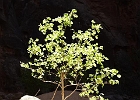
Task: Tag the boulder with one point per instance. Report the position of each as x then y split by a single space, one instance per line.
27 97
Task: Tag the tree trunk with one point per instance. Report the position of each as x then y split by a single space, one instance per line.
62 86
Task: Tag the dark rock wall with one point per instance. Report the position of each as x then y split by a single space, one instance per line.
19 20
11 47
120 37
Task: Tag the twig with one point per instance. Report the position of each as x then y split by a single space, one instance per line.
55 91
74 85
77 85
37 92
71 93
50 82
79 89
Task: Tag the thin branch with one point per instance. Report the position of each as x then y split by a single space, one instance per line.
55 91
77 83
37 92
79 89
80 80
76 77
70 85
75 88
74 85
71 93
50 82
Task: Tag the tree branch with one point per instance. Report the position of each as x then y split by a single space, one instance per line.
50 82
55 91
74 85
37 92
71 93
77 85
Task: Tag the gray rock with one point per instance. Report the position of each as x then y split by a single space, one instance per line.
27 97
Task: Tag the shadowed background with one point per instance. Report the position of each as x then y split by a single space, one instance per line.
19 20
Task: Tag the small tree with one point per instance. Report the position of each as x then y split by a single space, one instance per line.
69 62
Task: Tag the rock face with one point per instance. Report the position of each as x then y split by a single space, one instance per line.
10 96
19 20
120 38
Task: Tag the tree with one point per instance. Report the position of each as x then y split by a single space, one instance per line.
69 62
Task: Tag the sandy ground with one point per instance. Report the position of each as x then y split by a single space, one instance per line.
74 96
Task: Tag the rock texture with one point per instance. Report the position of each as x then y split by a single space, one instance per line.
19 20
120 38
10 96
